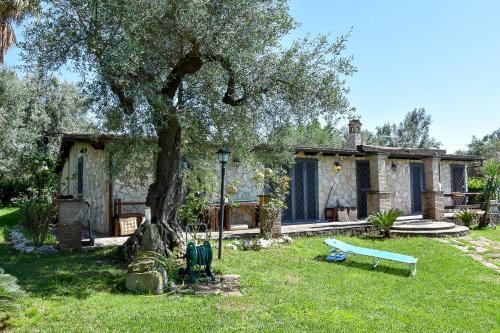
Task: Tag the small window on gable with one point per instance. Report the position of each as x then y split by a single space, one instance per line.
80 176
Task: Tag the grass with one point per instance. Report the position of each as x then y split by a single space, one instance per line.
9 217
289 288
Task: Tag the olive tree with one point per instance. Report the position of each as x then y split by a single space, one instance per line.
193 73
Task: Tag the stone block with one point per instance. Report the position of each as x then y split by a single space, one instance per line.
147 282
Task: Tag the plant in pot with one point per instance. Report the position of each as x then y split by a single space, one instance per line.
275 185
384 220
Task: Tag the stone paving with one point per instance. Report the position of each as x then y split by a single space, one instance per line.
482 249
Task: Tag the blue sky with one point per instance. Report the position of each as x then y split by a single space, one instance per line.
443 55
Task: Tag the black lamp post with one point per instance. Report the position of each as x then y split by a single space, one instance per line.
223 155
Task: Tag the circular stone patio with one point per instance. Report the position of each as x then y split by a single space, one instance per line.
428 228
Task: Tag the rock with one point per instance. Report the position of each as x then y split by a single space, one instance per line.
287 239
237 243
263 243
247 244
147 282
280 240
152 239
46 249
231 247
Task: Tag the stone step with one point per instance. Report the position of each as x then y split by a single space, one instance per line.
422 226
457 231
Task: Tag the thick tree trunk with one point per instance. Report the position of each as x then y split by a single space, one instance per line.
164 195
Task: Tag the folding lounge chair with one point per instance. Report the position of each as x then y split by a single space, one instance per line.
375 254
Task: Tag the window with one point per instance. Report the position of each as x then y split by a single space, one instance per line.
80 176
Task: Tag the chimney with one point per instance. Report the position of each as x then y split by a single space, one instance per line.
354 134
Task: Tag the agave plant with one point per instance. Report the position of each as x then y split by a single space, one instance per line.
468 217
385 219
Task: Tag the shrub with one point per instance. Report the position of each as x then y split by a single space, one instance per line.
385 219
39 215
11 189
469 218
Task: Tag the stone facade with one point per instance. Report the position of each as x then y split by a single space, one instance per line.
242 178
398 183
95 183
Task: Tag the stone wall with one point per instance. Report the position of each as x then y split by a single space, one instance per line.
130 194
95 183
398 183
242 177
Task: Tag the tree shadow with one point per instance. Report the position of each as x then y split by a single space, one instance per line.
75 274
355 262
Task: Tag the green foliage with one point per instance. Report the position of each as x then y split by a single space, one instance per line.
275 185
487 147
469 218
39 213
475 184
34 112
12 189
491 179
219 68
412 132
292 287
195 204
385 219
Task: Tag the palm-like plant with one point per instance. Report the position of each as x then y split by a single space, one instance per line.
385 219
468 217
13 11
491 176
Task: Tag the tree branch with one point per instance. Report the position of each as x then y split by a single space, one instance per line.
229 96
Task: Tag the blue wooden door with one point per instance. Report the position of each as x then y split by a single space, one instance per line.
363 187
302 201
417 186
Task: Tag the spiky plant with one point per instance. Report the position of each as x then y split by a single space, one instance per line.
13 12
468 217
491 178
385 219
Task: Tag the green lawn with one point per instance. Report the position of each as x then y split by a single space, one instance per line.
289 288
8 218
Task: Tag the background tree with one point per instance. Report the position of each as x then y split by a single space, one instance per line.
11 12
34 112
487 147
193 73
412 132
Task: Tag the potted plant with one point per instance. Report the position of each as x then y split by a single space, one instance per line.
274 184
385 219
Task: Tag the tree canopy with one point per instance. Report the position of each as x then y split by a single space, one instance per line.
194 73
34 112
487 147
412 132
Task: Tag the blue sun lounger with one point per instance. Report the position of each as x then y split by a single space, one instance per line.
375 254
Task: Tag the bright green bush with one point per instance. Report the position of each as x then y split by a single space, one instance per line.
468 217
385 219
39 216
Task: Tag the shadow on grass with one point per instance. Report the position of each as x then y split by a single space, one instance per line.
75 274
350 263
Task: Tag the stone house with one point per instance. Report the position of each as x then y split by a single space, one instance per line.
370 178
